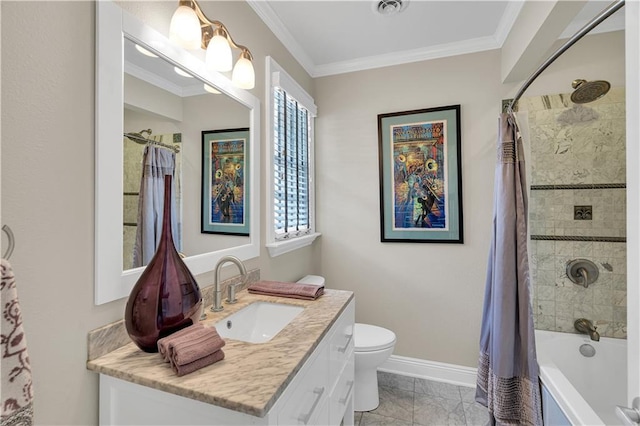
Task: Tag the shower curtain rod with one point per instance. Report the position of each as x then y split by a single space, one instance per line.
610 10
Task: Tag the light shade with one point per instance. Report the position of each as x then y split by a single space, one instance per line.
243 75
218 56
185 28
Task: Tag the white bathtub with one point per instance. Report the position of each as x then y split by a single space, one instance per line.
586 390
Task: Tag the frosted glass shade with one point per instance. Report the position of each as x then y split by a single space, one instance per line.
243 75
218 56
185 28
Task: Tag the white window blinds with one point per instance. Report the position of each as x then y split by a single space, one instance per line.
291 166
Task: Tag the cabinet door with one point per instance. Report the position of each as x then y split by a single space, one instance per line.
307 398
341 343
341 397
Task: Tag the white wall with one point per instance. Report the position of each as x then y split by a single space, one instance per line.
431 295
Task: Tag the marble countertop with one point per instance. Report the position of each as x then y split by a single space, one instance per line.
252 376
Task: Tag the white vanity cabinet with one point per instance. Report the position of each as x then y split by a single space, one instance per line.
321 393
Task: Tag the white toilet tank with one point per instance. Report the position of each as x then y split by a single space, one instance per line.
312 279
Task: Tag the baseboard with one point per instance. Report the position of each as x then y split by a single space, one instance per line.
430 370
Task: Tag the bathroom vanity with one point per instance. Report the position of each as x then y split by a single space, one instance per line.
303 375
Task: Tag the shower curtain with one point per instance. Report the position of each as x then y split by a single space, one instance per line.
507 368
156 163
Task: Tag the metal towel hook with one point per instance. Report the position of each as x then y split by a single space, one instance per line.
11 244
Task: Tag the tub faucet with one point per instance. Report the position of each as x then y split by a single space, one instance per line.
217 294
585 326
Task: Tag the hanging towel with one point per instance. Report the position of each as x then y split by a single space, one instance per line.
507 368
156 163
17 389
283 289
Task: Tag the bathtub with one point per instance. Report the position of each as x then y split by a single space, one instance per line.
578 390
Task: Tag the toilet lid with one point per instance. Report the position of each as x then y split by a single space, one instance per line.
369 338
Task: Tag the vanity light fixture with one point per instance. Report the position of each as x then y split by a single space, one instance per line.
192 30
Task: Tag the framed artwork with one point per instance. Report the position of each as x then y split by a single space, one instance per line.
225 181
420 176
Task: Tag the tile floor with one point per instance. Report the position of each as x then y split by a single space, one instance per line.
406 401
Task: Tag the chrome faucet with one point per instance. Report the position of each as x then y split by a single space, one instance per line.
217 294
585 326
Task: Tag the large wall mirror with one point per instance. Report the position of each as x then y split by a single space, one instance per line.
147 86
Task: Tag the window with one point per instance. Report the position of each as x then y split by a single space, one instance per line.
291 114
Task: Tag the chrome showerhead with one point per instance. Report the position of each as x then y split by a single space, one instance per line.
588 91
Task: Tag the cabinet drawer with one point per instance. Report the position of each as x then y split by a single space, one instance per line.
307 401
341 342
343 391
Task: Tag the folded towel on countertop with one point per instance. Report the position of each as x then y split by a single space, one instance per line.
163 344
212 358
284 289
191 348
194 345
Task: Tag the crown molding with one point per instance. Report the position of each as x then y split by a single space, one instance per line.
154 79
509 17
408 56
269 17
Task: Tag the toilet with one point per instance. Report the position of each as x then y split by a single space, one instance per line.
373 345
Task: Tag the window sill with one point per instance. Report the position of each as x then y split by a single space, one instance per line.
282 247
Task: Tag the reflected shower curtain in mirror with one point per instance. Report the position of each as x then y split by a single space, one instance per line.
156 163
507 368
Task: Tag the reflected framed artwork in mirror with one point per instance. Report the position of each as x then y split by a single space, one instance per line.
225 192
128 99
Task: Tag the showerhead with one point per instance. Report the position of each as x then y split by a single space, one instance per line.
137 138
588 91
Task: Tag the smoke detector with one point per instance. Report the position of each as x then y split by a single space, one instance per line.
390 7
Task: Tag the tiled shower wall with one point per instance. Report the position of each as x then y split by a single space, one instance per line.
577 159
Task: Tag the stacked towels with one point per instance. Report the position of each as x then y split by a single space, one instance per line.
282 289
191 348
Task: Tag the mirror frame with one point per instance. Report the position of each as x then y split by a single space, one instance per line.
113 24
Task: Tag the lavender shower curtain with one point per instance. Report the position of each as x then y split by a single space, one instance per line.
507 368
156 163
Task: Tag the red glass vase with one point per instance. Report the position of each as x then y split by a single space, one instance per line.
166 297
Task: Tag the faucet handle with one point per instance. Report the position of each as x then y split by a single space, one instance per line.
231 291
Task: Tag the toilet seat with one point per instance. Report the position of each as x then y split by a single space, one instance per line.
369 338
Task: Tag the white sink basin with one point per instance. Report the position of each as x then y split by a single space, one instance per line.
258 322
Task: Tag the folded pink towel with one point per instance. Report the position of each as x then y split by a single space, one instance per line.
195 345
282 289
163 344
212 358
